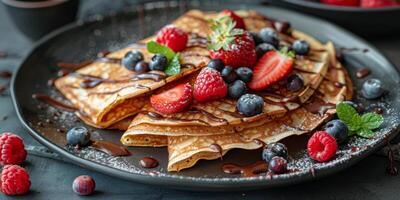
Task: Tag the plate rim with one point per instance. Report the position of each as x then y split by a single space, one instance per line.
320 6
191 183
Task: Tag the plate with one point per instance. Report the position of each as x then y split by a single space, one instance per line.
82 41
363 21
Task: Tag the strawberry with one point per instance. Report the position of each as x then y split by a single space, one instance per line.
239 22
272 67
378 3
173 100
209 85
342 2
172 37
235 47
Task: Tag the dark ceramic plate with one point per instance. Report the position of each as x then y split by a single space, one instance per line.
365 22
83 40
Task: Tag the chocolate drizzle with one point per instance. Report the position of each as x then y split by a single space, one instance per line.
217 148
111 148
362 73
247 170
53 102
260 142
149 76
318 106
148 162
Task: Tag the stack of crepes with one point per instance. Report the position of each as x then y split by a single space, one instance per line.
207 130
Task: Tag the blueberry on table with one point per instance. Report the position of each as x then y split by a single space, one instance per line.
277 165
372 89
216 64
250 105
142 67
228 74
263 48
78 136
83 185
158 62
244 73
274 149
294 83
269 35
237 89
301 47
337 129
131 58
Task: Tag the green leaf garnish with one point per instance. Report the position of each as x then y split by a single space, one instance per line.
154 47
174 67
360 125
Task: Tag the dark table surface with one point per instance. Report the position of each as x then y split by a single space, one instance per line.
52 179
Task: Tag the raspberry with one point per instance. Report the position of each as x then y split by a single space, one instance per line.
12 149
209 85
321 146
172 37
14 180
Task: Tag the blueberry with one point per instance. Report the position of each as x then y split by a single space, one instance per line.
142 67
237 89
158 62
250 105
372 89
83 185
216 64
269 35
78 136
301 47
229 74
294 83
131 59
277 165
274 149
257 39
337 129
263 48
244 73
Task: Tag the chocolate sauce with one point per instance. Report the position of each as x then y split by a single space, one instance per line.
318 106
138 86
102 54
247 170
362 73
148 162
217 148
378 110
53 102
111 148
338 84
260 142
197 41
5 74
282 26
154 115
208 115
149 76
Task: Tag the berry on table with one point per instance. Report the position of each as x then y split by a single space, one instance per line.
131 58
274 149
277 165
337 129
216 64
244 73
270 36
250 105
142 67
263 48
237 89
173 100
14 180
228 74
301 47
237 19
84 185
294 83
158 62
12 149
172 37
209 85
256 38
321 146
78 136
372 89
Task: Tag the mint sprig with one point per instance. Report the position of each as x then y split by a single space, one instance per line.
174 67
362 125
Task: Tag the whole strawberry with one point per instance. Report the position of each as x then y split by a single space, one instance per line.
239 22
235 47
172 37
342 2
12 149
14 180
209 86
379 3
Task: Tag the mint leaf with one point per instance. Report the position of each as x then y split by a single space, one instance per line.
154 47
349 116
371 120
174 67
366 133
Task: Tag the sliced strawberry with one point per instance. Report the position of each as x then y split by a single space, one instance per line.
237 19
173 100
272 67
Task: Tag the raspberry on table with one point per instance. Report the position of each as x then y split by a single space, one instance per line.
14 180
321 146
12 149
